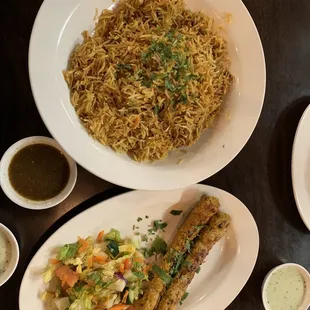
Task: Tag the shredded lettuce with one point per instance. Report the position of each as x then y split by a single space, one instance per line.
48 275
47 297
113 235
62 303
118 286
88 301
73 261
68 251
129 248
76 305
94 273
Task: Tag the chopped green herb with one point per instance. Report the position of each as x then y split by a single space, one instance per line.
137 227
151 231
184 297
156 109
68 251
137 233
176 212
159 246
178 259
170 35
187 263
147 84
139 219
145 238
169 85
137 266
78 286
133 227
198 270
183 98
140 275
146 216
188 245
198 227
162 274
191 77
124 66
159 226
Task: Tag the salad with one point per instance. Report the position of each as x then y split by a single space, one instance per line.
103 273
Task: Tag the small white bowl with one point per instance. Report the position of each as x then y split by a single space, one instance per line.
22 201
305 274
14 254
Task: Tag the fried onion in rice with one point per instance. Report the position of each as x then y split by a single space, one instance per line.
150 79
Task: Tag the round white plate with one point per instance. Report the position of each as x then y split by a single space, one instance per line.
225 272
301 167
57 30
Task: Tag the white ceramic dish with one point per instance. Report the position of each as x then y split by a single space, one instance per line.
305 274
56 32
221 278
4 277
24 202
301 167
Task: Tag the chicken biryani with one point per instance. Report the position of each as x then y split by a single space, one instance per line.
150 79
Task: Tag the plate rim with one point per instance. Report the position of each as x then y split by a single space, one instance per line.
305 115
224 302
113 178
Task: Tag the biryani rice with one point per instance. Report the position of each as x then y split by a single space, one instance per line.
150 79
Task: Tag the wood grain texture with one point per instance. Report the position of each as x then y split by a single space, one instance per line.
259 175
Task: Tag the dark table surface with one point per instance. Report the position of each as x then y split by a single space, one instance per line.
259 176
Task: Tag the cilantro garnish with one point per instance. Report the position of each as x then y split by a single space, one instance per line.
159 225
184 297
176 212
162 274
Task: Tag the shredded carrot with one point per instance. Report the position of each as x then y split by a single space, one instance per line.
100 236
84 245
54 261
122 268
63 281
66 275
99 259
90 262
127 264
125 297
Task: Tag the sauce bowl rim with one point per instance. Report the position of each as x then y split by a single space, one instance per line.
11 193
305 274
15 254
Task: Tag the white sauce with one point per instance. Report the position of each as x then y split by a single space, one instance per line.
286 289
5 253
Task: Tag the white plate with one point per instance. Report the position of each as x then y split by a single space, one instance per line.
57 30
301 167
225 272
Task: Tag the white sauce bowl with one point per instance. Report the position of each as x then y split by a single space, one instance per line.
303 272
14 254
16 197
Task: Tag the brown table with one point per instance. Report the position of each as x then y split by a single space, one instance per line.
259 176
